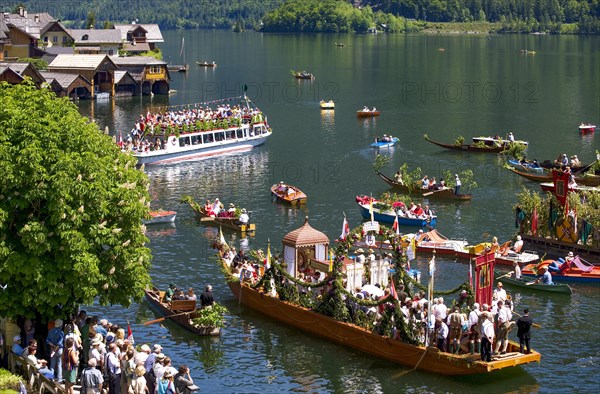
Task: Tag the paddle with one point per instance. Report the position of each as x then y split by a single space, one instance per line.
505 275
207 218
427 194
533 324
166 317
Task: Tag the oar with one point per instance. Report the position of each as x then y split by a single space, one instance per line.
505 275
166 317
533 324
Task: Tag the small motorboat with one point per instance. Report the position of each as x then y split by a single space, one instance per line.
327 104
385 142
367 113
587 128
157 217
287 194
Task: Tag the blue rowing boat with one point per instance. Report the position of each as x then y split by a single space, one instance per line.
390 216
528 166
379 144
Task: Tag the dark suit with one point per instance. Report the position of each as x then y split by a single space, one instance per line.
524 332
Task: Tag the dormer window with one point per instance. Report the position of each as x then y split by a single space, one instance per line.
85 37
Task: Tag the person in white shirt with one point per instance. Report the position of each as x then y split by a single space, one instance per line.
499 292
442 309
244 218
360 257
442 334
487 336
504 318
517 270
518 245
474 329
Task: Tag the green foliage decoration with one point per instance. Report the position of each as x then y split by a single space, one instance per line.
213 316
380 162
71 210
459 140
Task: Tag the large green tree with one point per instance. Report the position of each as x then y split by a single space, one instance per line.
71 210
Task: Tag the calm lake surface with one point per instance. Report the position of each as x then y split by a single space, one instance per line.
479 85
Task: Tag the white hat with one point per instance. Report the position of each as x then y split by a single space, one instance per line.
570 254
145 348
518 237
360 250
157 347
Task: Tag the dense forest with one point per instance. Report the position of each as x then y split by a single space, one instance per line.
557 16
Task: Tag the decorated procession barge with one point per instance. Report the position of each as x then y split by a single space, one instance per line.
333 314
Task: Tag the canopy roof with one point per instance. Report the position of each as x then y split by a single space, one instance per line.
305 236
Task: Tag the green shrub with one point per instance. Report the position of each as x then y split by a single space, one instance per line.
9 383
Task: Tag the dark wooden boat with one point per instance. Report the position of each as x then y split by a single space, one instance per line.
227 222
527 283
468 147
207 64
178 307
549 187
280 192
349 335
587 180
441 194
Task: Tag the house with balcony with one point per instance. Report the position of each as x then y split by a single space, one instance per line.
151 75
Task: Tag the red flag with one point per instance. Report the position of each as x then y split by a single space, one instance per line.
534 221
395 226
130 334
561 182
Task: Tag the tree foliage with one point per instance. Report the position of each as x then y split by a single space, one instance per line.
560 16
71 210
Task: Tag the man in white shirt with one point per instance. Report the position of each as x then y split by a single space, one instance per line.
499 292
504 318
487 336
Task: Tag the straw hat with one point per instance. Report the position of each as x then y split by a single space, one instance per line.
371 251
360 250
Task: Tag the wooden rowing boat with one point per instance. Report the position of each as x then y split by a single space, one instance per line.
367 113
587 180
349 335
157 217
549 187
527 283
154 297
206 64
441 194
288 194
573 274
469 147
227 222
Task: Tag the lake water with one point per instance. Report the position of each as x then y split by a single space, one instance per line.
478 85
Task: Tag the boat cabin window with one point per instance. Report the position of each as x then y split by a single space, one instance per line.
220 136
207 138
196 140
183 141
240 133
230 134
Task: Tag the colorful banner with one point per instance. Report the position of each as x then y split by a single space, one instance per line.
484 278
561 183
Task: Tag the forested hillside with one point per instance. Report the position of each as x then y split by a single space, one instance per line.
565 16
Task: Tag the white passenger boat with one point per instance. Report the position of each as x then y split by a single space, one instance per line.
206 138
